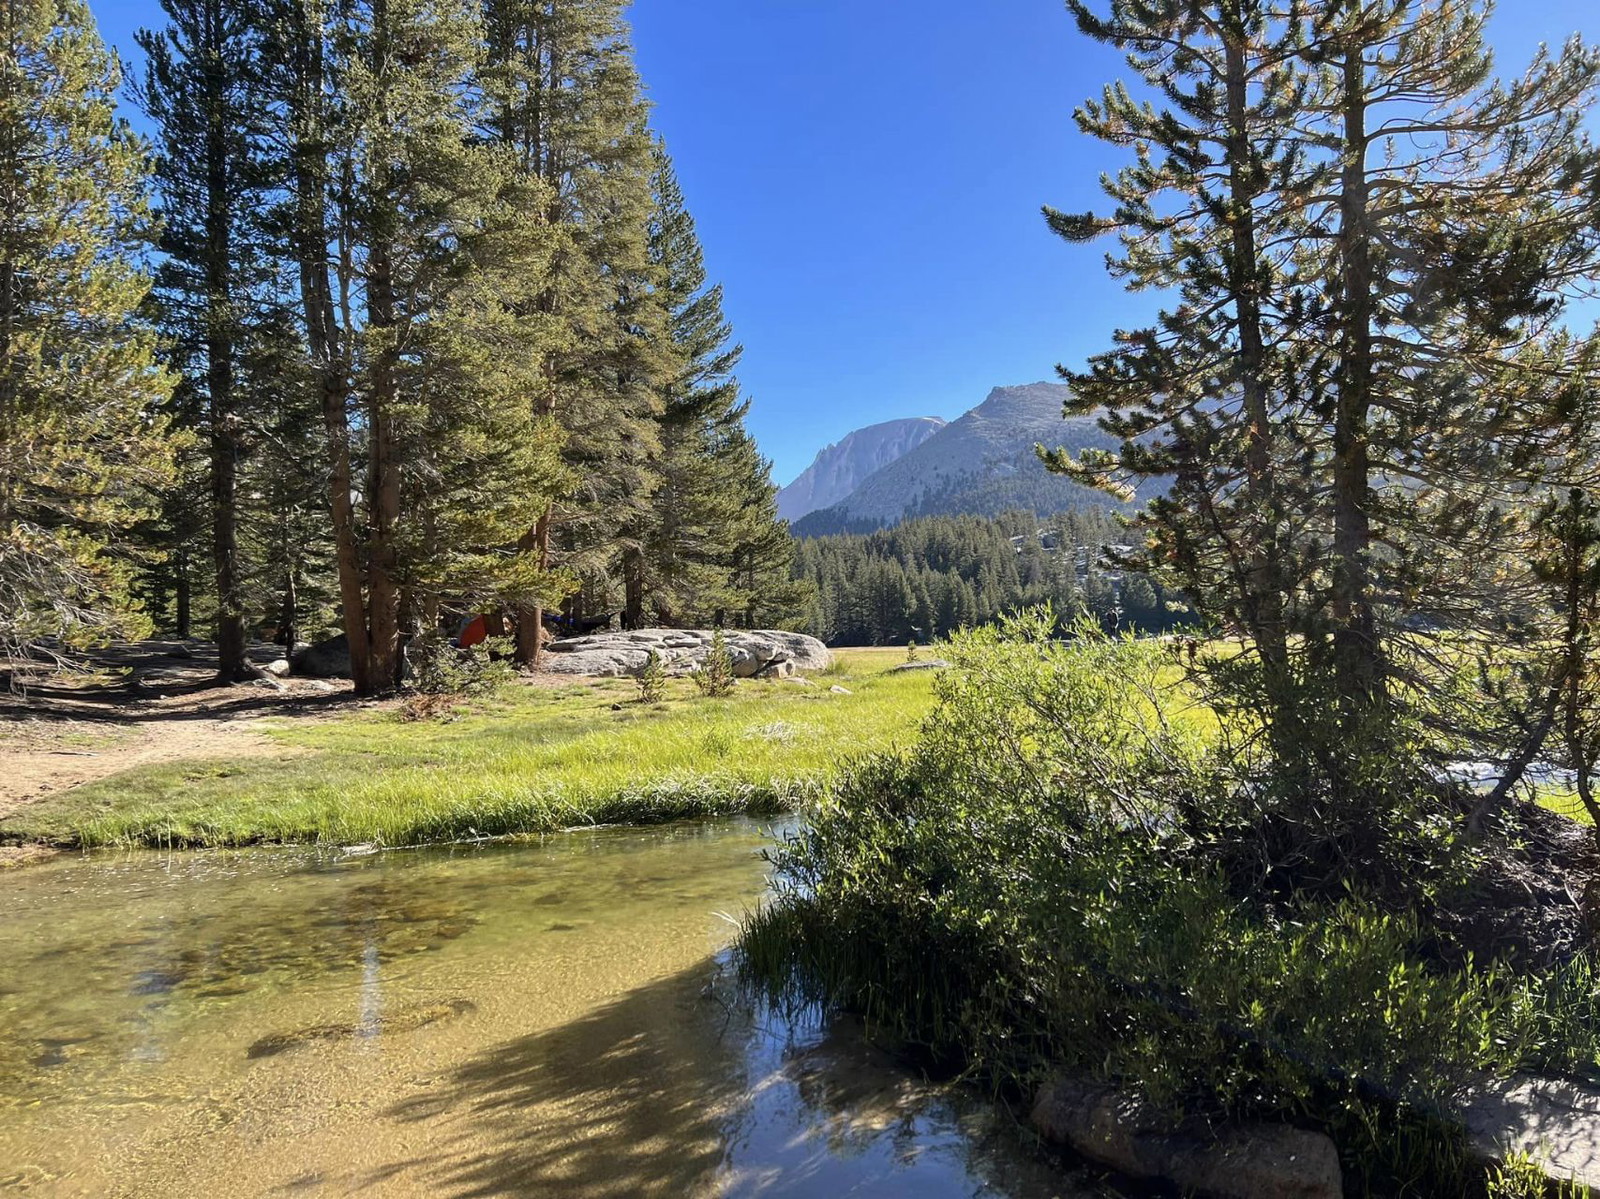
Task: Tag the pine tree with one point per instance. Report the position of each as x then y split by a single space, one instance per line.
1204 397
286 549
564 100
83 448
204 92
718 550
1459 223
759 549
1366 245
409 235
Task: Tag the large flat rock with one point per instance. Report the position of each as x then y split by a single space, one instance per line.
754 652
1556 1123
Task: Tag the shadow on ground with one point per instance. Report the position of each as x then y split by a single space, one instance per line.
671 1090
632 1099
159 682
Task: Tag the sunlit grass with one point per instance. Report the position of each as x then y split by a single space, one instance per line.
523 760
1565 801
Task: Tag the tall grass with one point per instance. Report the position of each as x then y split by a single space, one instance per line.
521 760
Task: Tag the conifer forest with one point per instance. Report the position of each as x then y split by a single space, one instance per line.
399 316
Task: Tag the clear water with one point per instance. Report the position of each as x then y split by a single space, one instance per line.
553 1019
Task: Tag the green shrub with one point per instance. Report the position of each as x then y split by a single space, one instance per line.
653 680
436 667
715 676
1026 890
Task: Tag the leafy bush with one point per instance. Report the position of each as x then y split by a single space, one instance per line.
436 667
1030 888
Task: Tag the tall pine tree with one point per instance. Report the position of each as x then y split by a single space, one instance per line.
1353 410
204 91
401 216
83 449
564 100
717 551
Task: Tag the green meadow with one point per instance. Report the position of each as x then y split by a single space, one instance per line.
521 760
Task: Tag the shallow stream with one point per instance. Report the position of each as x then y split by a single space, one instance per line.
552 1019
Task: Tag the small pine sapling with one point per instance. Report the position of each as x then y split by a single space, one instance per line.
653 680
715 675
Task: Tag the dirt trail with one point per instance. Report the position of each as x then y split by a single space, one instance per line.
41 757
149 702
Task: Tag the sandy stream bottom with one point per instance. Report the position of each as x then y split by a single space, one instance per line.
552 1019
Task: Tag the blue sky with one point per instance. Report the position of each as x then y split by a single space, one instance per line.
867 177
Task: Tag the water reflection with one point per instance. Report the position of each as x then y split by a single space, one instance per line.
550 1019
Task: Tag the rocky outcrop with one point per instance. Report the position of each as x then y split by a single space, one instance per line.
1554 1122
756 653
838 469
981 464
1260 1161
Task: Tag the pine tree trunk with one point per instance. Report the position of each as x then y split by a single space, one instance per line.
383 590
383 400
1356 674
1264 604
225 550
324 342
539 158
530 621
289 612
231 665
181 591
633 589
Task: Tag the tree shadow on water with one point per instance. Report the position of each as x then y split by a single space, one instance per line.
630 1099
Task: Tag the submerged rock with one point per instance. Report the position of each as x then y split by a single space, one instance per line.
764 653
407 1019
1257 1161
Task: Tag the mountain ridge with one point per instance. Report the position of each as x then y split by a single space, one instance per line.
839 468
979 464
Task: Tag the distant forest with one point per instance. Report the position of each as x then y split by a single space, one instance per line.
929 576
1017 484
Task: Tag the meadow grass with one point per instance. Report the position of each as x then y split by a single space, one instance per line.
522 760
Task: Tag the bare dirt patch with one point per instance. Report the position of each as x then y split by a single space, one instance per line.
145 703
152 702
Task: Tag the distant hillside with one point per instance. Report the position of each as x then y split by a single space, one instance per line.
980 465
840 469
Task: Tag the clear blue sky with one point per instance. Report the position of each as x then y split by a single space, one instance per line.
867 177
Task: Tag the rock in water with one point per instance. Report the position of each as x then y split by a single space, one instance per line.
1257 1161
407 1019
767 653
